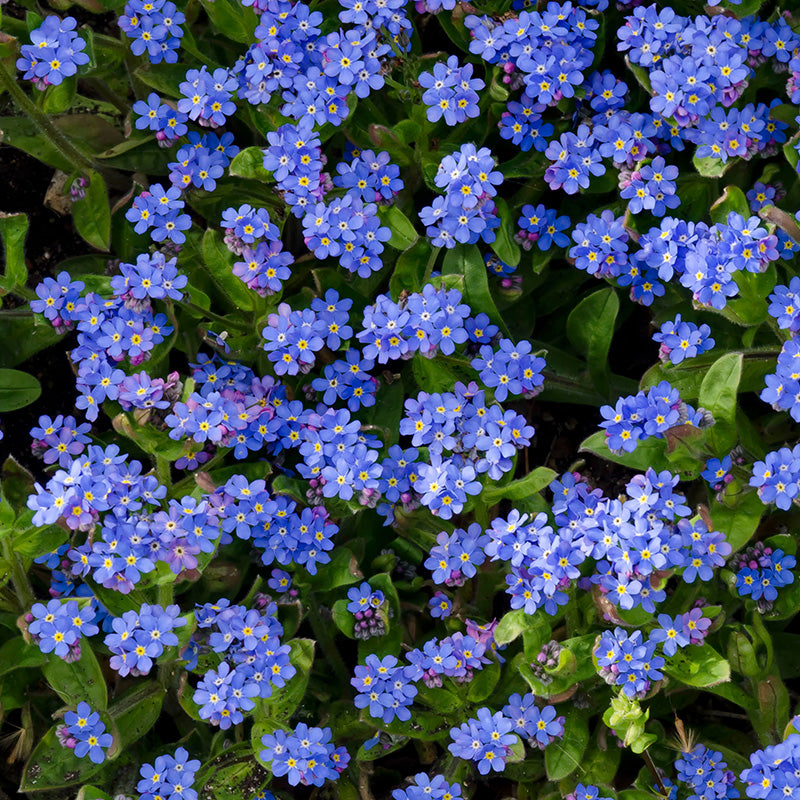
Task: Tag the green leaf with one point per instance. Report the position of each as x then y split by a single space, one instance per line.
699 666
279 707
409 269
718 393
687 377
440 374
590 328
51 766
404 234
466 260
16 653
641 75
711 167
341 570
740 522
58 99
232 19
504 245
233 774
648 453
516 623
483 682
136 712
34 541
520 489
23 337
78 680
219 264
13 228
732 199
344 619
92 793
391 641
249 163
92 214
18 484
17 389
150 439
562 758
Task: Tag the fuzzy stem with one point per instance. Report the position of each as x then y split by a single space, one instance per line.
324 639
80 160
434 256
19 577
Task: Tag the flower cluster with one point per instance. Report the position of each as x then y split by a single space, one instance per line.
457 656
543 227
349 229
292 338
773 770
304 755
58 627
385 687
111 330
651 187
55 52
777 477
486 740
706 774
601 245
348 379
680 340
154 27
59 440
425 787
170 777
466 213
648 414
85 734
511 368
451 92
760 572
138 639
547 659
546 53
160 211
480 439
681 631
127 545
370 175
431 321
629 661
782 387
254 662
538 726
634 542
370 609
456 556
167 123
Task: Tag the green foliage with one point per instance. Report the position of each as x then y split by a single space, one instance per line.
17 389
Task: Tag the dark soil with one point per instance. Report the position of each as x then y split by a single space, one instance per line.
51 239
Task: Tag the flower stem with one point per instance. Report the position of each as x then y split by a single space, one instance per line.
19 576
430 265
71 152
324 639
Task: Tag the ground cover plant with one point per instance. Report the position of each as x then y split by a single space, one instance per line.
294 523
